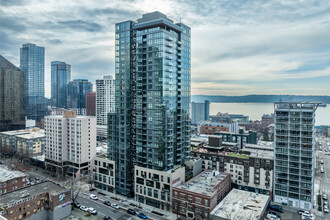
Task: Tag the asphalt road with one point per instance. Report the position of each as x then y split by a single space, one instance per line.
102 209
109 211
324 177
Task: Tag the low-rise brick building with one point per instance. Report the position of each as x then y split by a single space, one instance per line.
11 180
46 200
196 198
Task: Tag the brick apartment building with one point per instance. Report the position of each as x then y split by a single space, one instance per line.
11 180
45 200
196 198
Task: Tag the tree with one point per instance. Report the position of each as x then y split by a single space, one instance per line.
265 136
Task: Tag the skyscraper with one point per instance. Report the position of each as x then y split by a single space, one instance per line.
32 63
105 103
77 90
200 111
61 76
294 154
151 126
90 103
12 96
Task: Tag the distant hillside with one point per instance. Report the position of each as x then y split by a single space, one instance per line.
262 98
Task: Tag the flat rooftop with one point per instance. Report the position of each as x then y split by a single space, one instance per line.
204 183
239 204
7 174
26 133
264 152
29 191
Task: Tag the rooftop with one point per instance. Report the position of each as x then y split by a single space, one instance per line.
204 183
47 186
259 151
26 133
239 204
6 174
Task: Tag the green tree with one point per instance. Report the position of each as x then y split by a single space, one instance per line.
265 136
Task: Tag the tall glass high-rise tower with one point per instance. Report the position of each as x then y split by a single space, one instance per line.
151 126
77 90
32 63
294 154
61 76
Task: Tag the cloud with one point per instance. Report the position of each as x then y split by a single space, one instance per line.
241 46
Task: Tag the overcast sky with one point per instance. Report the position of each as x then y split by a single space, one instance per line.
238 47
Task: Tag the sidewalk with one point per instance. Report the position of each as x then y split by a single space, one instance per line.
127 201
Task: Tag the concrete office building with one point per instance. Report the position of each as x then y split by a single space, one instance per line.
70 143
151 126
46 200
60 77
12 101
32 63
294 153
196 198
200 111
105 103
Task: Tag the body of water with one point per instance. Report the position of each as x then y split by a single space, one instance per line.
256 110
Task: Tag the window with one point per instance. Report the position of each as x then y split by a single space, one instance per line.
198 200
206 202
149 192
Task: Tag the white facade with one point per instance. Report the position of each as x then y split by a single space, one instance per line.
104 173
105 99
70 142
154 187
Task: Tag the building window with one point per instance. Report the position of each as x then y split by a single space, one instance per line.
198 200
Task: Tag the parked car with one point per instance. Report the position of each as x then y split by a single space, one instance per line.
92 211
131 211
321 161
84 208
325 197
300 211
325 203
113 205
142 215
274 213
326 210
76 204
107 218
271 216
276 208
106 202
94 197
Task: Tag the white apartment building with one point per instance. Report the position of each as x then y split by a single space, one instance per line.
105 103
70 143
154 187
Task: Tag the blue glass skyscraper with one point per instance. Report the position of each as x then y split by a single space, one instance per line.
61 76
32 63
151 126
77 90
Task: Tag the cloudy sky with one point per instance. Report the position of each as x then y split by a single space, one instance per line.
238 47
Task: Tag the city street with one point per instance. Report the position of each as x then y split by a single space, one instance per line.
324 178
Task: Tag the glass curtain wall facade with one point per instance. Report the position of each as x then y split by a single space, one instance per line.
12 96
294 154
61 76
77 90
152 97
32 63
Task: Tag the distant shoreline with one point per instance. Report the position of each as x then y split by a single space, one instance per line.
261 98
